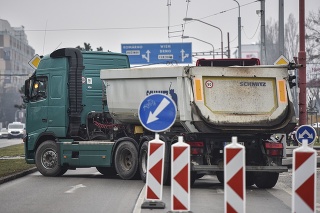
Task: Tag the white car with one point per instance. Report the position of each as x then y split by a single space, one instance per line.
4 133
16 130
316 125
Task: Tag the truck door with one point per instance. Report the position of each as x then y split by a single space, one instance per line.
37 117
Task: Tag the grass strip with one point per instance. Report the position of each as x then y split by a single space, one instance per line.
12 151
12 166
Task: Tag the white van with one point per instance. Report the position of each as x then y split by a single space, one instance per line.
16 130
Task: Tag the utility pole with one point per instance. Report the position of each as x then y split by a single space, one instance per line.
263 32
239 31
281 27
302 70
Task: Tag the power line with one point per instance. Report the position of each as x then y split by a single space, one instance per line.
229 9
133 28
254 32
97 29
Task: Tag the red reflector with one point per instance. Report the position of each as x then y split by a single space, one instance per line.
196 144
274 152
273 145
196 151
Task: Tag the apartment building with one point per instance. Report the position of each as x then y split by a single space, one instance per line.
15 53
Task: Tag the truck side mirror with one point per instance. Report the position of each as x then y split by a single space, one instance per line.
26 91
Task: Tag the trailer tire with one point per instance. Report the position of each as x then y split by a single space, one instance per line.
249 178
126 160
47 159
220 177
143 158
266 180
107 171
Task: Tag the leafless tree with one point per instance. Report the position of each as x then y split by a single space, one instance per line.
313 37
271 41
291 41
313 56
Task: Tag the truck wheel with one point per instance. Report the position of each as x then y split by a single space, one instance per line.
107 171
266 180
220 176
143 159
193 177
249 178
126 160
47 157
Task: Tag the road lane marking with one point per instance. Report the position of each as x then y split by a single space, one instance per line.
74 188
137 207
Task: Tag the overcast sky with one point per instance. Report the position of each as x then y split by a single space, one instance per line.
69 23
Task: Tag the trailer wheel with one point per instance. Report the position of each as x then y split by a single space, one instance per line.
249 178
266 180
220 177
143 159
126 160
47 158
107 171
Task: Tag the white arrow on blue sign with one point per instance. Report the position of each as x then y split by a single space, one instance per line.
157 112
306 132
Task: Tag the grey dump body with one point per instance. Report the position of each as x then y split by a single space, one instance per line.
209 99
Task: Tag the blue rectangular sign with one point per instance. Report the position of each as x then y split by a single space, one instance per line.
158 53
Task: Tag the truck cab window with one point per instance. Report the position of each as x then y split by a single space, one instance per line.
39 89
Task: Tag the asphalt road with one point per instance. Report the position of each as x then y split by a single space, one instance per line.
86 190
83 190
8 142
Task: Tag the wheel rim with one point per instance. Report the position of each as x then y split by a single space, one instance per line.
49 159
144 161
126 159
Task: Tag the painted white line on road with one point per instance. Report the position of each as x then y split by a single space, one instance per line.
74 188
137 207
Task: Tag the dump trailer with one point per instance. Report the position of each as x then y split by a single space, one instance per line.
213 104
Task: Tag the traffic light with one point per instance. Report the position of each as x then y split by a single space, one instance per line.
292 81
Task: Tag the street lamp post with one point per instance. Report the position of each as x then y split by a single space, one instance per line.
239 31
192 19
184 37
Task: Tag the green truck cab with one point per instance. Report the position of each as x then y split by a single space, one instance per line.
67 123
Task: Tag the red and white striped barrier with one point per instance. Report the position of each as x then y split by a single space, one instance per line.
180 173
154 179
234 176
304 179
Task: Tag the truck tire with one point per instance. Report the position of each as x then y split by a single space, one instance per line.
249 178
47 159
220 177
107 171
143 158
266 180
126 160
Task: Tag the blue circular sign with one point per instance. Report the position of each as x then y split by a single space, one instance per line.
306 132
157 112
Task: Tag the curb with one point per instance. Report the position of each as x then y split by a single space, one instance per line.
17 175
